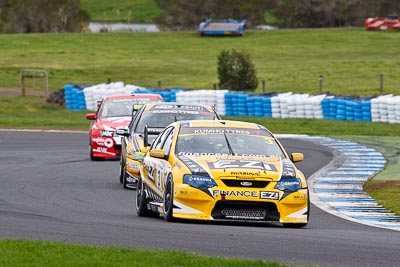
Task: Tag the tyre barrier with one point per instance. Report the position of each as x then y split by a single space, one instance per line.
385 108
57 97
83 97
215 98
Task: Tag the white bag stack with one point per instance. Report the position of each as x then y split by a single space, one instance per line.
214 98
95 93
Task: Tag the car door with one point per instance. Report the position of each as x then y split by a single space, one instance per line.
127 145
157 169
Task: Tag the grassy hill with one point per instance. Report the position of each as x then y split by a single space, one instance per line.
350 60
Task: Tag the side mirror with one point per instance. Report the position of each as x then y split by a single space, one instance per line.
157 153
296 157
123 131
146 137
91 116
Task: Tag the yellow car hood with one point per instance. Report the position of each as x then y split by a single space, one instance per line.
239 167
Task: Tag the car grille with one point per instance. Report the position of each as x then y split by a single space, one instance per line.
245 183
252 214
245 211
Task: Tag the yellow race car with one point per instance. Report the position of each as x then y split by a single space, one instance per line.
152 118
222 171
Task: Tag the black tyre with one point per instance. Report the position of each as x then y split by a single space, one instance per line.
294 225
124 181
121 171
169 200
141 201
93 158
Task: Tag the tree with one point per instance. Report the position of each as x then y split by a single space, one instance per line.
331 13
236 71
26 16
187 14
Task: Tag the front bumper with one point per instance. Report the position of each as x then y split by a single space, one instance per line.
106 147
240 204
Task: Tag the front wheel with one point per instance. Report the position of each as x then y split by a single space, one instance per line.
294 225
93 158
141 201
121 170
169 200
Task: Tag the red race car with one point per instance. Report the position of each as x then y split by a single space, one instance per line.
391 22
113 111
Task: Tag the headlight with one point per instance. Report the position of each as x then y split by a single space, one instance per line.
288 184
198 181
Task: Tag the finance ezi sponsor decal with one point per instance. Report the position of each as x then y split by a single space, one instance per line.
245 193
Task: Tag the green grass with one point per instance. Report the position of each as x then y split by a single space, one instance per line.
139 11
350 60
34 113
37 253
386 193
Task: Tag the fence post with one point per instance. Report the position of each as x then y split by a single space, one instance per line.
321 79
23 84
158 84
381 82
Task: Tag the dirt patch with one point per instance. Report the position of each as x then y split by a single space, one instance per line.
377 185
18 92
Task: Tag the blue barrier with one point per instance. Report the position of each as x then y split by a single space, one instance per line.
74 97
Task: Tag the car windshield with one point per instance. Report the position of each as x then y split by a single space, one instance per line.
226 143
162 120
123 107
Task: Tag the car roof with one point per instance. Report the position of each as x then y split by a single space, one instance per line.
220 124
134 96
178 106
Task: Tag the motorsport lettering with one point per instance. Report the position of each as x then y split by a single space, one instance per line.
214 131
232 193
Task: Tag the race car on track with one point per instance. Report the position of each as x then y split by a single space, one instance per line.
113 111
222 171
153 118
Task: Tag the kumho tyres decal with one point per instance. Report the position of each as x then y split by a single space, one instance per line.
338 188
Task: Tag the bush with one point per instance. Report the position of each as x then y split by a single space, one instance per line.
236 71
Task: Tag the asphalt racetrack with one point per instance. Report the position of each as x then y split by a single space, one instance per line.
50 190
